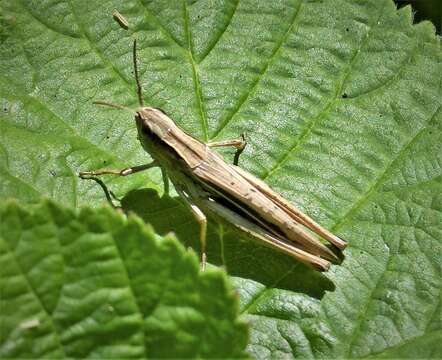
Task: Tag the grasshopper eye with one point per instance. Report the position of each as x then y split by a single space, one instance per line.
145 130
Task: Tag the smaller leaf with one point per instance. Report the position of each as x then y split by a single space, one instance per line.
92 283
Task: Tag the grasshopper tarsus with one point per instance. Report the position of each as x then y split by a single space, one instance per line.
108 193
203 262
115 197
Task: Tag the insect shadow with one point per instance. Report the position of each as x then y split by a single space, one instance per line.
241 258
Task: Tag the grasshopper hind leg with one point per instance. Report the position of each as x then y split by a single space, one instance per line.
202 221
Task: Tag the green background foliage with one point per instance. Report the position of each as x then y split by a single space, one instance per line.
98 286
341 102
425 10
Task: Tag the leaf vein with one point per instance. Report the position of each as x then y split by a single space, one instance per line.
131 289
221 33
358 204
331 101
160 26
34 291
264 291
107 64
195 76
260 76
46 24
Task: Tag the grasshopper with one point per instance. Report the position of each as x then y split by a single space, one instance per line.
210 185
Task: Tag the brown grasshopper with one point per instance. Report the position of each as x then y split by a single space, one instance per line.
208 184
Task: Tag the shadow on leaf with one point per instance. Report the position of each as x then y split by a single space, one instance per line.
242 258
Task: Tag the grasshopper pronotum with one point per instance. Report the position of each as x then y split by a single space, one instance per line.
208 184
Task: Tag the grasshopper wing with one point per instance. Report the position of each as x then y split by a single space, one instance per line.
292 210
245 193
257 232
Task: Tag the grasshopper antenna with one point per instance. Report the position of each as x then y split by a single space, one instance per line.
112 105
137 79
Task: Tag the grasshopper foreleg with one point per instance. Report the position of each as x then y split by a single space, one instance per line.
202 221
239 144
123 172
128 171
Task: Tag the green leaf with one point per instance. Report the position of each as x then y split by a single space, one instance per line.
341 102
95 284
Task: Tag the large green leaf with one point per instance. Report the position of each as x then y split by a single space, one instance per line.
93 284
341 102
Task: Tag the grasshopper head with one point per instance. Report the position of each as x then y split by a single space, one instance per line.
151 121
